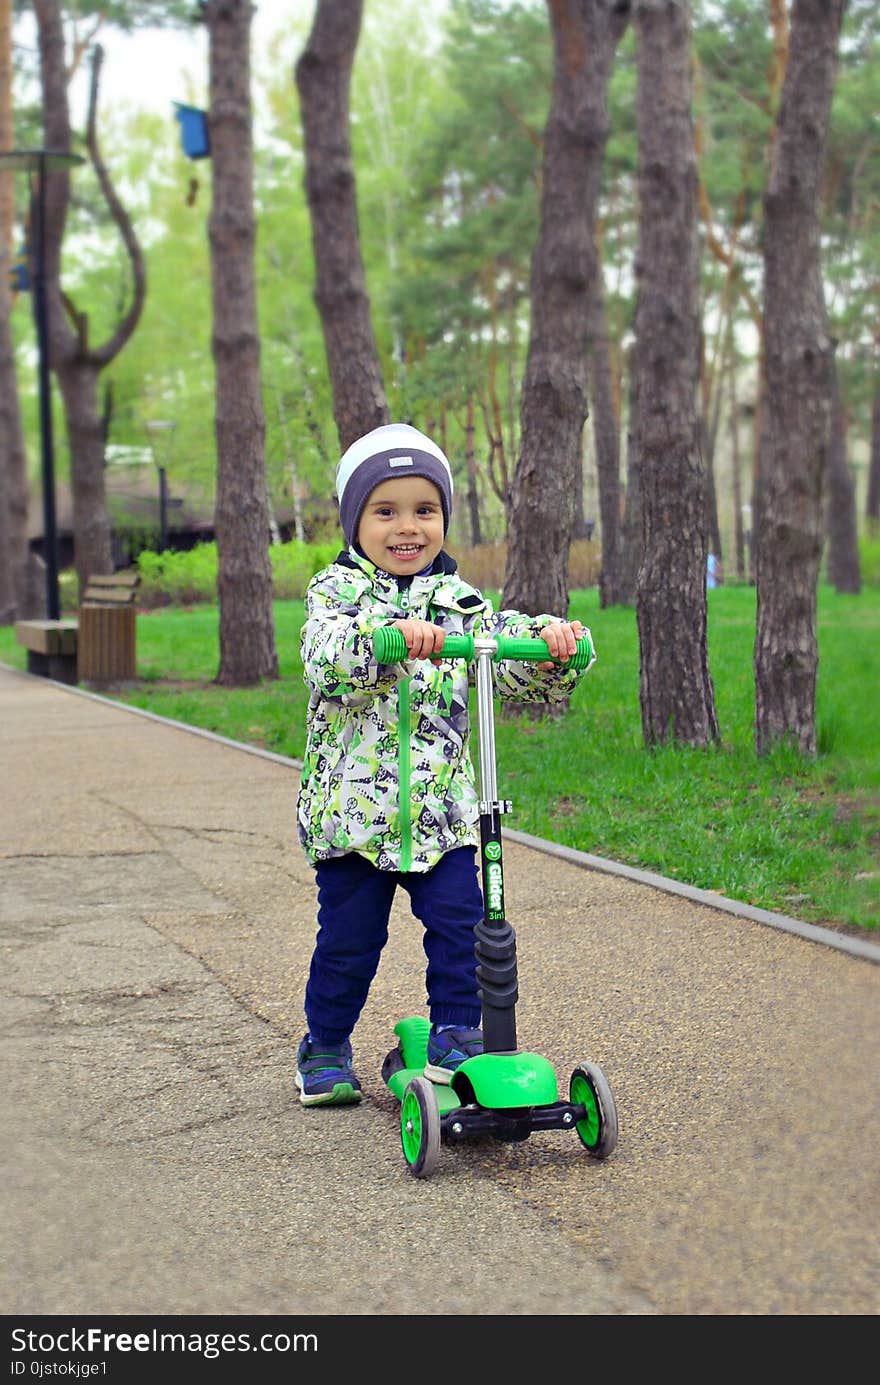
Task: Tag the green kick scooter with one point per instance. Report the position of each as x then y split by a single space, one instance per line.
503 1092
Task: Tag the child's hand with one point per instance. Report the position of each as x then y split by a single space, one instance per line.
423 640
561 639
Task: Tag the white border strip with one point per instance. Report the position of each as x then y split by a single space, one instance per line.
841 942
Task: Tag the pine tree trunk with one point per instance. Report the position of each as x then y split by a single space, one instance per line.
797 406
323 78
631 530
736 470
606 433
872 503
844 572
579 522
13 488
76 363
7 591
676 694
13 467
554 394
69 354
710 418
470 458
709 438
78 383
241 520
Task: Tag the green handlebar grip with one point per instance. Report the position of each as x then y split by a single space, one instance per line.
389 647
528 649
458 647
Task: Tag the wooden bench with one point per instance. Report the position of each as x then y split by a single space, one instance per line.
51 647
106 650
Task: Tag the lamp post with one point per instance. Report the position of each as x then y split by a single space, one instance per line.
161 425
39 161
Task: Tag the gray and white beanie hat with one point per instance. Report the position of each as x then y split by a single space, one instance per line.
395 449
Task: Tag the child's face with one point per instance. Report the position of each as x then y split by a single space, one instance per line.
401 525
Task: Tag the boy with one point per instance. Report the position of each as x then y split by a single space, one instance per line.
388 794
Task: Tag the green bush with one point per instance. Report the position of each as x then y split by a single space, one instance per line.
869 559
178 579
187 578
294 564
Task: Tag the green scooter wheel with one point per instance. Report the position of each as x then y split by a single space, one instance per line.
420 1127
597 1131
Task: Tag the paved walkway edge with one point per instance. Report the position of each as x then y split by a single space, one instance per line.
841 942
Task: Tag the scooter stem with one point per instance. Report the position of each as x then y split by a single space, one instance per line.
494 938
486 726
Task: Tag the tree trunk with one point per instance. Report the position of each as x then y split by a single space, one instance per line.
323 78
7 591
631 532
736 469
606 434
68 349
579 528
872 503
470 458
554 395
76 363
844 572
78 383
13 472
797 402
676 694
241 517
15 588
709 419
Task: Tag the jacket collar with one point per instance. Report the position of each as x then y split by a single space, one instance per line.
444 587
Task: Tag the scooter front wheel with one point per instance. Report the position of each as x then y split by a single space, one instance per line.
597 1130
420 1127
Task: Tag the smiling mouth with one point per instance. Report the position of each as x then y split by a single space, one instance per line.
406 550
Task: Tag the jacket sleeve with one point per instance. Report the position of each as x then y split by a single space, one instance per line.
519 681
337 650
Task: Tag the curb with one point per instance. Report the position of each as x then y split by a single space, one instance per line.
810 932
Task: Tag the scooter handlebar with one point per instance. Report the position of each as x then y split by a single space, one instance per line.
389 647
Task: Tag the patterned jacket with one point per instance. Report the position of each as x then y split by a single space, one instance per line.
387 771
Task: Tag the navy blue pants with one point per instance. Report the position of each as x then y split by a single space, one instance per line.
354 905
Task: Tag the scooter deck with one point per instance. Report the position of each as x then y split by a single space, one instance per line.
408 1060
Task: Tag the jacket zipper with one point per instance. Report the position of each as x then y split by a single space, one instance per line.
404 764
404 776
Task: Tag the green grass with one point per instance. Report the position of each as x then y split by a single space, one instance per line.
797 836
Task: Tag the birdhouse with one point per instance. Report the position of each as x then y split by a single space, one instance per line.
19 277
193 131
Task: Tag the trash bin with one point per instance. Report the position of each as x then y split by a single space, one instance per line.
106 646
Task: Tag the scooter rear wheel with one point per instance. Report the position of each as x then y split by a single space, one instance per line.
597 1131
420 1127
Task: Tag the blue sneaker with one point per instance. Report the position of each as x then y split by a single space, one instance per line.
447 1050
324 1074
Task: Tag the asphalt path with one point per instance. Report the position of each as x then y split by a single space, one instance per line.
157 918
